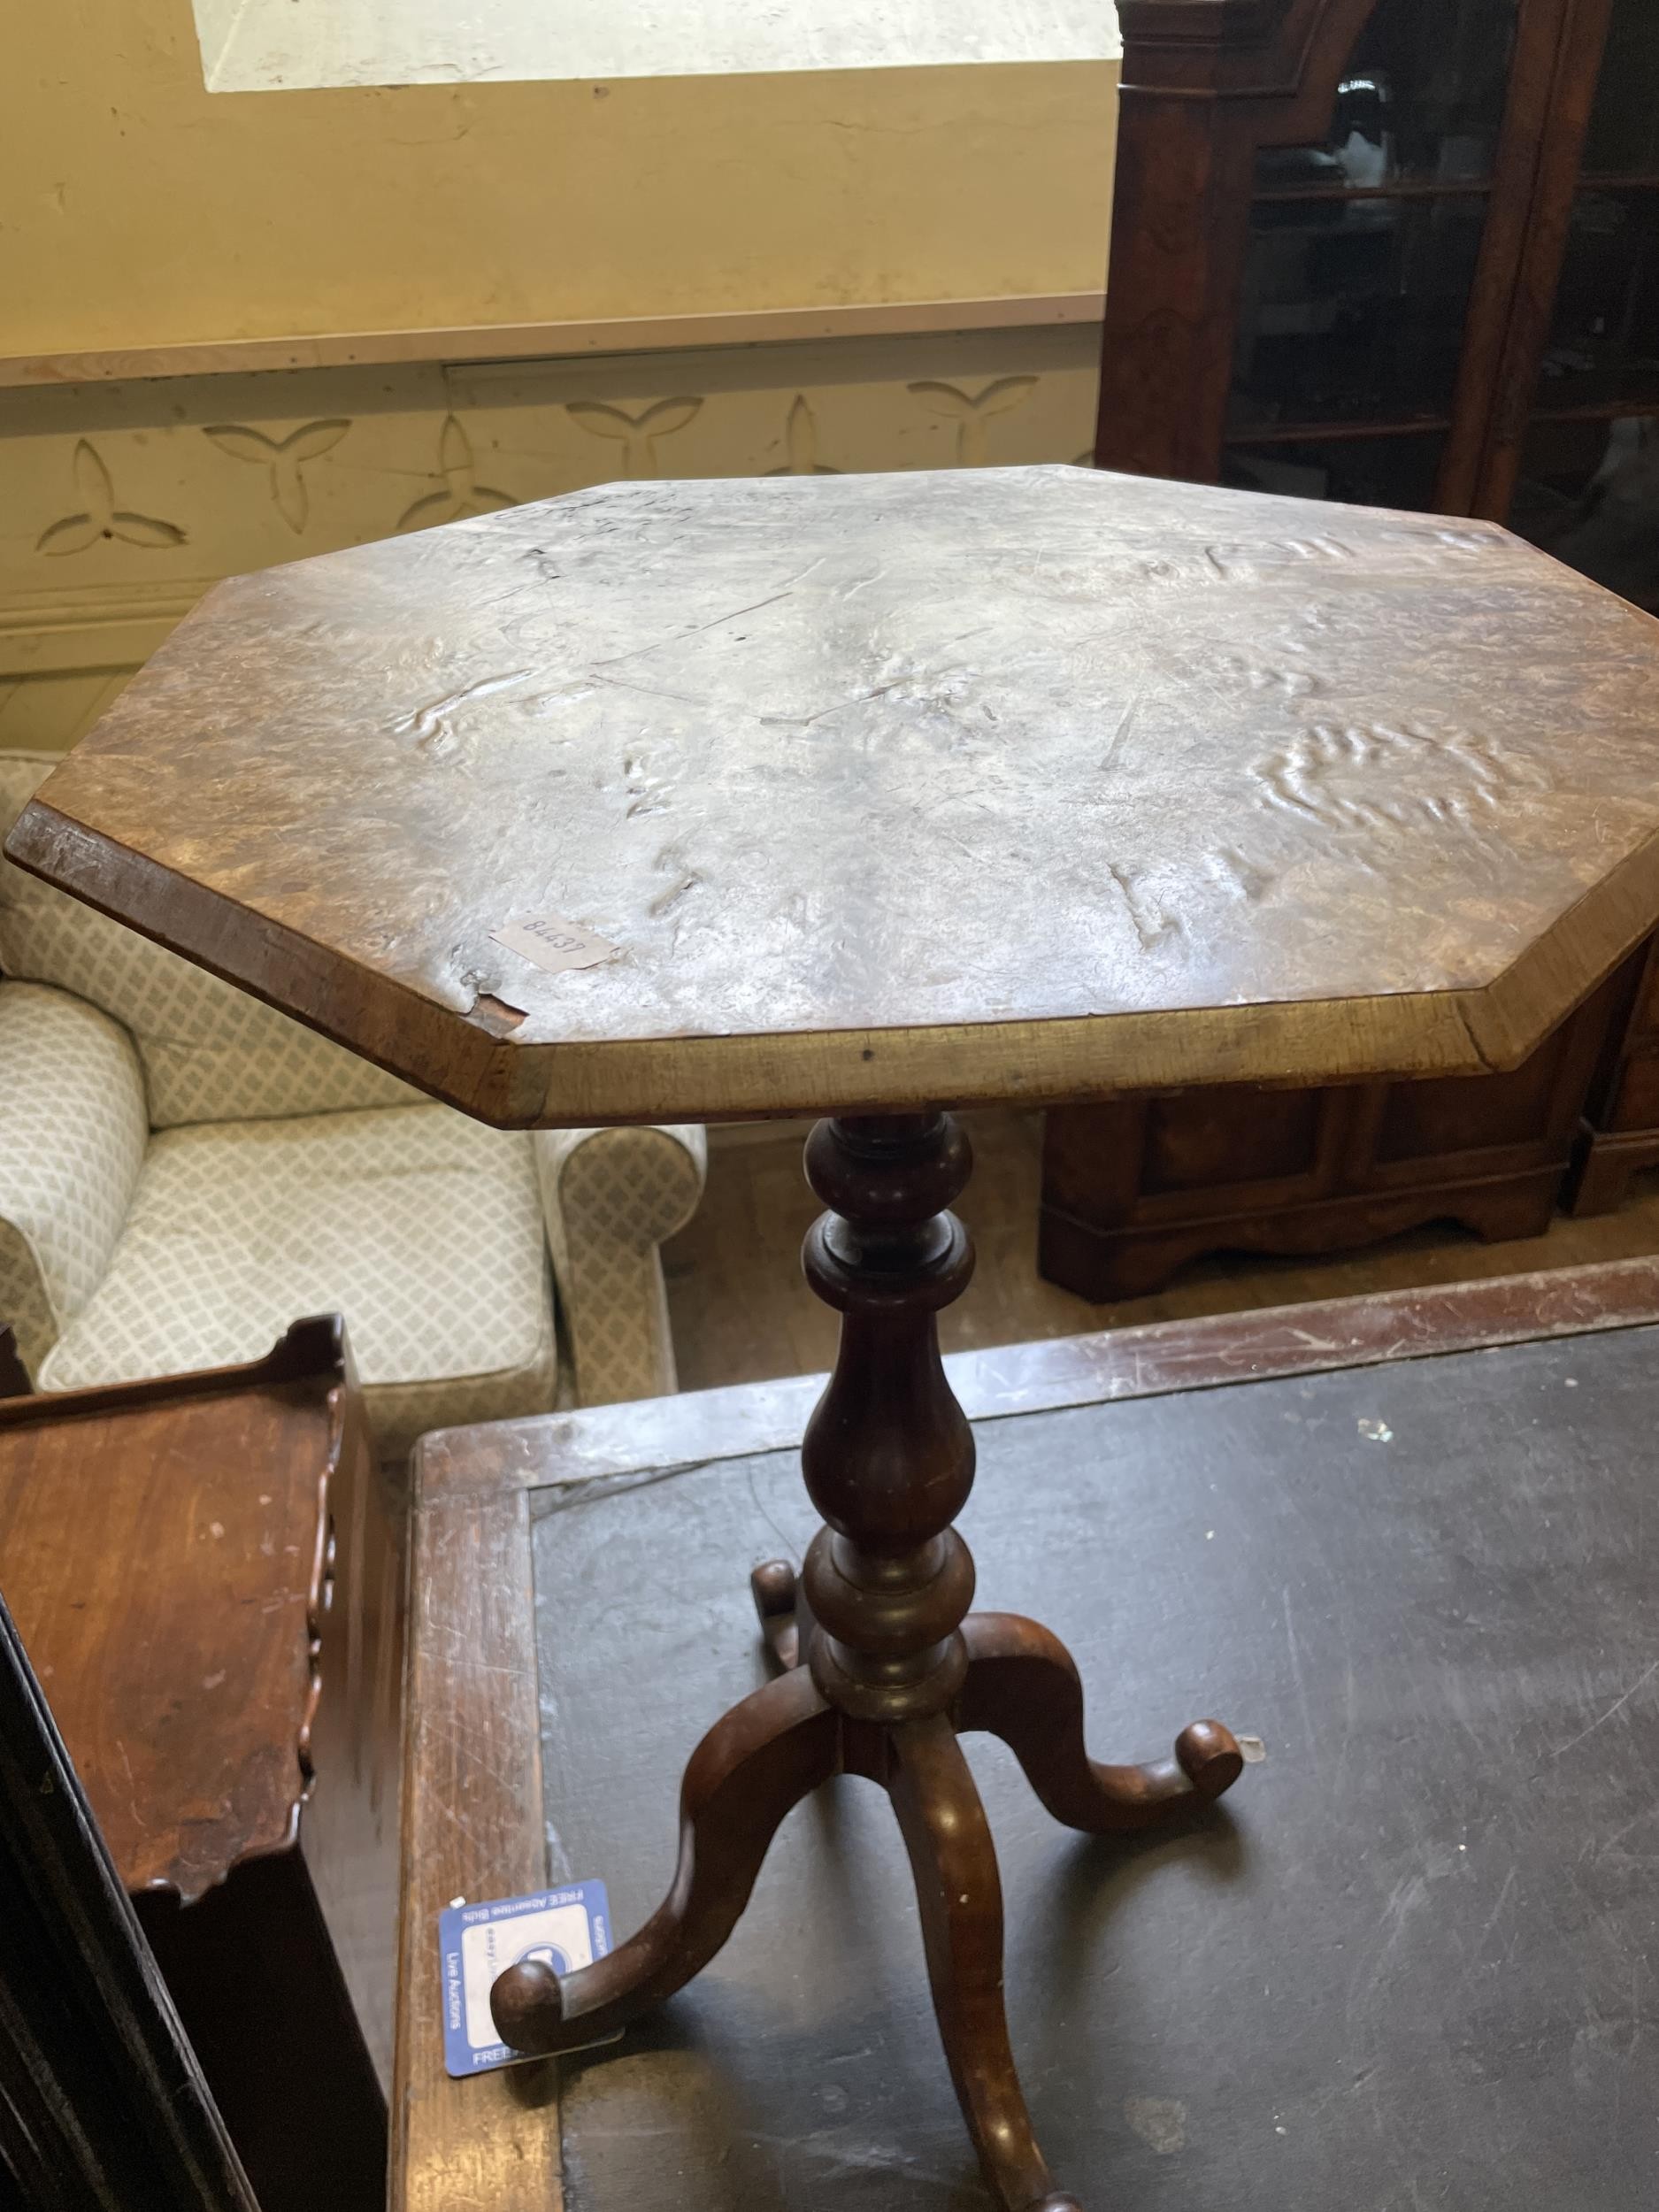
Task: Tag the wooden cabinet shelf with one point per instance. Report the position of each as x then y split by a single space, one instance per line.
1303 195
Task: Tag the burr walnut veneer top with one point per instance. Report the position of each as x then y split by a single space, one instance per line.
1022 784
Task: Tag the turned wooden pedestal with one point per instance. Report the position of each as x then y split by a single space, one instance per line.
883 1664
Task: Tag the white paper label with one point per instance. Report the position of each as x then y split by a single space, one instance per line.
553 943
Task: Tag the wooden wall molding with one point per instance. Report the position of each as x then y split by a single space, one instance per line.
513 341
102 626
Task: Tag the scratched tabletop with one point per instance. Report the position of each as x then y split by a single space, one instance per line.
1412 1963
720 798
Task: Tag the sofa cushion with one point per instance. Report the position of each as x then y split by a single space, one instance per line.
72 1135
423 1228
210 1052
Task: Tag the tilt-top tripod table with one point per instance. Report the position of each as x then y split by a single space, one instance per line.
885 795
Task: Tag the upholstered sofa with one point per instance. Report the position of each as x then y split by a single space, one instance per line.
184 1171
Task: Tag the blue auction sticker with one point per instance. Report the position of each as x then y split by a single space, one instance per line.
566 1928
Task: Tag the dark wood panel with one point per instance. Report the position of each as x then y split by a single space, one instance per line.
1180 223
1187 1150
1525 1119
1638 1091
1492 299
222 1648
1575 76
103 2105
1622 1136
1132 1194
253 1970
349 1830
1131 1263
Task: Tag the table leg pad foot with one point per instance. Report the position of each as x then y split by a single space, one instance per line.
774 1587
1209 1756
526 2002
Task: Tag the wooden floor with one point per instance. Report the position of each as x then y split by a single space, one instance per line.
741 1311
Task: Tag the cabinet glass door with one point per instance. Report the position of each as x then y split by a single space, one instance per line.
1363 257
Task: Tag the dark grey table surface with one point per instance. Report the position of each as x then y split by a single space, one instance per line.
1409 1964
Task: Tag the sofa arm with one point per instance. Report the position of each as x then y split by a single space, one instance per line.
73 1133
610 1197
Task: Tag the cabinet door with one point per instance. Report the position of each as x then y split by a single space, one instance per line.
1381 260
1575 466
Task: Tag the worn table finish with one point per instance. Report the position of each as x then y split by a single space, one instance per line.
1412 1967
878 795
917 789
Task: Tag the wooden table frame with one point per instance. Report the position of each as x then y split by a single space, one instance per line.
473 1803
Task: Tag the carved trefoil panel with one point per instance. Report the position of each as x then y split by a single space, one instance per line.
98 517
463 495
637 434
971 412
283 459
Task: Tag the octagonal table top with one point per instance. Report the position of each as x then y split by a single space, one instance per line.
685 801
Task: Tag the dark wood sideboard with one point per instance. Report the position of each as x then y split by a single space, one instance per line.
102 2099
1406 253
221 1646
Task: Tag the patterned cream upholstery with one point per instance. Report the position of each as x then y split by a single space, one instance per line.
286 1177
72 1140
608 1209
210 1052
423 1228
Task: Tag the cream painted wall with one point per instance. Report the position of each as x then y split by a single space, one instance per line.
137 209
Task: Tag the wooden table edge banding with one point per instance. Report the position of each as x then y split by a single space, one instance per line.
465 1058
